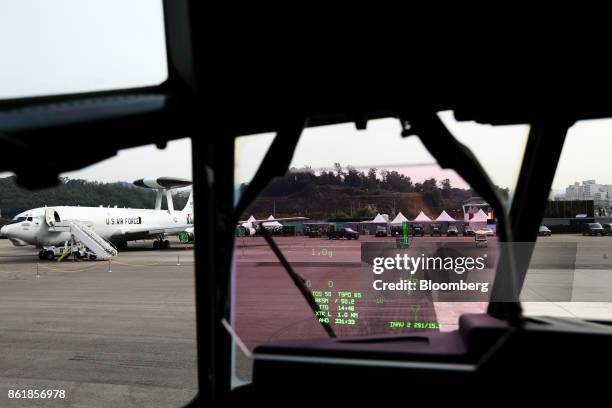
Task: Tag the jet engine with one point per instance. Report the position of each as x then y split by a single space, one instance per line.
187 236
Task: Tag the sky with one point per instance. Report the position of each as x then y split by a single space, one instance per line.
66 46
381 146
139 162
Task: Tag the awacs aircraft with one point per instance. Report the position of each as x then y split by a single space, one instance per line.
252 225
97 227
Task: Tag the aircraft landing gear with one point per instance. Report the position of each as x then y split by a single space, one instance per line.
161 244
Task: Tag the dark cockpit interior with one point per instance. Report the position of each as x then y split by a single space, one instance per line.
244 80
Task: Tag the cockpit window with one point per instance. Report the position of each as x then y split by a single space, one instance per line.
576 217
29 219
71 40
17 220
346 185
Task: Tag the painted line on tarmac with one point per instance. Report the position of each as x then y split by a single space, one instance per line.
68 270
169 263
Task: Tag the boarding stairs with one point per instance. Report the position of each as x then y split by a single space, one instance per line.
81 232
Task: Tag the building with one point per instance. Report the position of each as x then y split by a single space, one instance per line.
568 216
589 190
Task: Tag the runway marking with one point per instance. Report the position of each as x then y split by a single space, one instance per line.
68 270
169 263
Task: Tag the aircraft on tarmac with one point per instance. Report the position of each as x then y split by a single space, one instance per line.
252 225
97 227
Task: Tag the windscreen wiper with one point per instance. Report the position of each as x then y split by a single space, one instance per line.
275 163
297 280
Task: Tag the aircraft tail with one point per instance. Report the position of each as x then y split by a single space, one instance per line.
189 206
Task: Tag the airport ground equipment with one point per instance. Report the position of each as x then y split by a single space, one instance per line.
480 237
87 243
75 249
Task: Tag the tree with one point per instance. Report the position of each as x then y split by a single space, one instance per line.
14 199
339 215
352 177
446 188
364 213
372 179
430 185
339 172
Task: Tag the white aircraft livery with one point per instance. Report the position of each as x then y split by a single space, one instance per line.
252 225
94 228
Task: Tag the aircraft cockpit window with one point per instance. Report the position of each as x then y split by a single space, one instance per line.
499 149
118 273
375 229
569 273
17 220
68 47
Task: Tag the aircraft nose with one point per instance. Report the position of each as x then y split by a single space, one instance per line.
3 231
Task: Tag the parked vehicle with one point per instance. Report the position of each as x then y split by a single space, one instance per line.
468 232
593 228
313 233
544 231
489 232
436 230
607 229
452 231
418 230
381 231
347 233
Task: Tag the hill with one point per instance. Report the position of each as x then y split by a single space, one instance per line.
349 193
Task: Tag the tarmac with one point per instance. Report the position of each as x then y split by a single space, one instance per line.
123 333
110 334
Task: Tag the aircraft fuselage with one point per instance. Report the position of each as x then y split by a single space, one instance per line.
119 224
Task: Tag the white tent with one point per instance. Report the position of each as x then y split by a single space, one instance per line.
399 219
480 216
273 224
379 219
422 217
444 217
248 223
